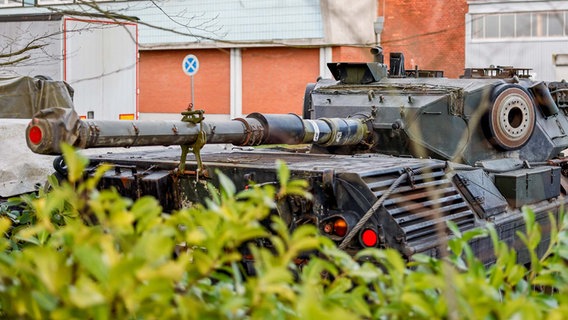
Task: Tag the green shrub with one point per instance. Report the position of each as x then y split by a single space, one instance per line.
80 253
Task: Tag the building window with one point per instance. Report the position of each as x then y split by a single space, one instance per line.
520 25
14 3
28 3
556 24
49 2
538 25
492 26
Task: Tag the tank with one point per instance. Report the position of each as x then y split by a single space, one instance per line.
390 155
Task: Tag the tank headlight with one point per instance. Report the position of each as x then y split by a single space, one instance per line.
340 227
338 224
35 135
336 227
369 237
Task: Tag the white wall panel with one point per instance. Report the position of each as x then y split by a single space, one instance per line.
45 60
100 64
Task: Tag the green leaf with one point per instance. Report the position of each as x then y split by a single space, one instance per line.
228 189
417 303
5 224
214 194
46 301
283 173
86 293
456 246
91 258
340 286
203 262
75 162
49 267
454 228
93 181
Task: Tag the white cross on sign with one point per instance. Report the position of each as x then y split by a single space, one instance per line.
190 65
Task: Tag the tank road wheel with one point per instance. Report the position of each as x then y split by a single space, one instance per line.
511 118
307 110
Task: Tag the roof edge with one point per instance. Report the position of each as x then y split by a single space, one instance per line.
300 43
43 16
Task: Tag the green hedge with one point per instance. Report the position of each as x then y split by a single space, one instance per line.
79 253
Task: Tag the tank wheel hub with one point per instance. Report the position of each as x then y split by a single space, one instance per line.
512 119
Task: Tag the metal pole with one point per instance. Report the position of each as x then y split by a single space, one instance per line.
192 98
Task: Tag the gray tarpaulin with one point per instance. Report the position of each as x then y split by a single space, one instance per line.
20 98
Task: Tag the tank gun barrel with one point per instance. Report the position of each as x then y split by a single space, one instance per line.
51 127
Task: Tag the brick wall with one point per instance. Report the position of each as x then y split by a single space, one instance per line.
274 79
164 88
351 54
430 33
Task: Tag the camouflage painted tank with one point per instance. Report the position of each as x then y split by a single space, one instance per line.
393 154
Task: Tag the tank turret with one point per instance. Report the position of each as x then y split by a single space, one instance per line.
502 115
395 154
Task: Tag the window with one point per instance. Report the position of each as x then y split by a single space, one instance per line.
46 2
507 26
556 24
477 26
13 3
27 3
492 26
523 25
538 27
520 25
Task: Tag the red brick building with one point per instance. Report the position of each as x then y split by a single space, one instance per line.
273 77
430 33
264 75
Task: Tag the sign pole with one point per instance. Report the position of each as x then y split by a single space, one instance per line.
190 65
192 96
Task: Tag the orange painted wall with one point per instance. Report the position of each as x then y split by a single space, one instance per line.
430 33
351 54
164 88
274 79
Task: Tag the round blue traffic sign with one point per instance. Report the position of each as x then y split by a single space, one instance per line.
190 65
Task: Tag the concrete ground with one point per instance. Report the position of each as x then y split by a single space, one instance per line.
21 170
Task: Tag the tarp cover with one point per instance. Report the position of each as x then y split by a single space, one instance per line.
21 170
22 97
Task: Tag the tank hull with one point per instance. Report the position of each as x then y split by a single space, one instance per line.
413 217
